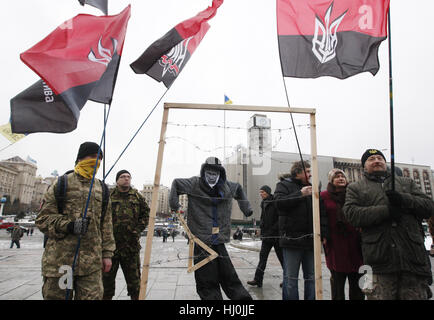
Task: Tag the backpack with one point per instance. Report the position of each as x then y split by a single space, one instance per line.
62 186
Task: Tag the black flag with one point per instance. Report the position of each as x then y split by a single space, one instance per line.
100 4
39 109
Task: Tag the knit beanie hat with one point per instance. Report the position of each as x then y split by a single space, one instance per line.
371 152
266 188
87 149
333 173
120 173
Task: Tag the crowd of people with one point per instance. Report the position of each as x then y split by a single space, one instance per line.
369 223
366 223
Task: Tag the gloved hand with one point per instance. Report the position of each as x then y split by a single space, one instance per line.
395 213
395 198
79 226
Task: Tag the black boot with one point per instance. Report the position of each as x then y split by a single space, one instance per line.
255 283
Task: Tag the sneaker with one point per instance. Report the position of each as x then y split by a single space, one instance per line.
255 283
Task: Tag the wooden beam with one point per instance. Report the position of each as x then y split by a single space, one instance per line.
232 107
154 205
315 211
193 239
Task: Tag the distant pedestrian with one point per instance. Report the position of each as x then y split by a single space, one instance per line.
31 231
173 234
343 250
238 234
16 234
392 241
165 235
269 227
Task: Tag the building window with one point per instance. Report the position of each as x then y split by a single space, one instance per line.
427 182
416 177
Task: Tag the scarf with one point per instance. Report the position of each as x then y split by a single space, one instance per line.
85 168
339 198
378 176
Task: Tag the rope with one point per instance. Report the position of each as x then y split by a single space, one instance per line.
138 130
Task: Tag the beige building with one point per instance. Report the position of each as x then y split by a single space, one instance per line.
183 202
24 182
7 180
40 188
163 198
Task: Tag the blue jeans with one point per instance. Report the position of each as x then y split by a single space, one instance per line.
292 258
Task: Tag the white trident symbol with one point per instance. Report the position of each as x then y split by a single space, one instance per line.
325 49
173 60
106 54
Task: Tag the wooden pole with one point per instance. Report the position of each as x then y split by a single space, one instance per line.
154 205
316 215
234 107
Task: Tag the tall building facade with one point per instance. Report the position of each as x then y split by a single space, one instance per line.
163 198
24 182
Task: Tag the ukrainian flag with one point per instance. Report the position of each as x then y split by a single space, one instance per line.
227 100
6 131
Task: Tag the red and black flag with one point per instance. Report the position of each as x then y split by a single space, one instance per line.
78 61
39 109
166 57
100 4
337 38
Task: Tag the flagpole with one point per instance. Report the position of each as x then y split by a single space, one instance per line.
8 146
224 136
77 248
392 142
104 152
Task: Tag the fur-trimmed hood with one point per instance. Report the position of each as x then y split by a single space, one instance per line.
283 176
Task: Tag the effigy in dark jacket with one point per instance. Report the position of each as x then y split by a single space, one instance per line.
392 240
209 208
295 215
269 220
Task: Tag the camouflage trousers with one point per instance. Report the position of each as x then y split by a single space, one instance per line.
87 287
130 265
398 286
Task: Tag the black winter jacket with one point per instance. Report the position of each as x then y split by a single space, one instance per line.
269 220
390 246
295 215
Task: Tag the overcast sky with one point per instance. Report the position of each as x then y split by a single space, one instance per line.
238 57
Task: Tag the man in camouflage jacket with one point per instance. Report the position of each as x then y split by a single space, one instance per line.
16 235
64 229
130 215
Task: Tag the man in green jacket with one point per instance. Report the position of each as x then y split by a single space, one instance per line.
65 228
16 235
392 236
130 215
